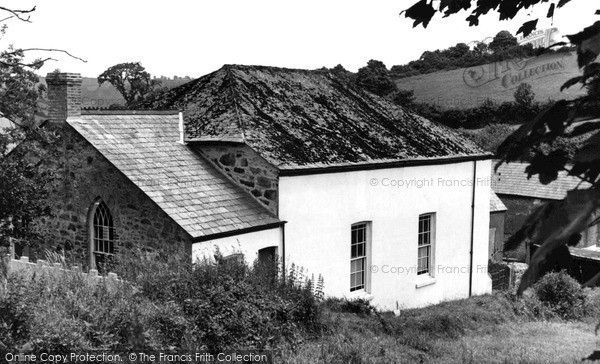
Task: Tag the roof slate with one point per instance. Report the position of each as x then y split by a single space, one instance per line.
188 188
511 179
300 117
496 205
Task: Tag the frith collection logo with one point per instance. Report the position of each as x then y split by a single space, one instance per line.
540 38
512 72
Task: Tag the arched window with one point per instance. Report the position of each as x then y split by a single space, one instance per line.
102 236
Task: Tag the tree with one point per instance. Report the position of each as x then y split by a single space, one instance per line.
375 78
503 40
556 225
524 99
481 49
340 72
131 80
23 186
458 51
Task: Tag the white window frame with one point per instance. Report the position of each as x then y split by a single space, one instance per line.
365 287
426 240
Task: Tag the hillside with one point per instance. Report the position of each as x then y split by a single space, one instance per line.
95 96
469 87
106 95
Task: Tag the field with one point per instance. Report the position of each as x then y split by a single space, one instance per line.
469 87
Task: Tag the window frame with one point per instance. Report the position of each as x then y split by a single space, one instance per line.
365 287
430 233
108 242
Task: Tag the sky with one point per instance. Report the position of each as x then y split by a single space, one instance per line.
193 38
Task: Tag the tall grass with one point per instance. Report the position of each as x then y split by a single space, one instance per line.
163 303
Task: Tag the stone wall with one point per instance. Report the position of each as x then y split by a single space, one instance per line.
41 266
246 168
83 175
506 276
500 274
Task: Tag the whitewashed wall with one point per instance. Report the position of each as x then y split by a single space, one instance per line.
249 244
320 209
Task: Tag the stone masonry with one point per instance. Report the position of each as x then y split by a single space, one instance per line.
247 169
83 176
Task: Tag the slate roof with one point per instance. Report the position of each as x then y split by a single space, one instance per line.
188 188
300 117
496 204
511 179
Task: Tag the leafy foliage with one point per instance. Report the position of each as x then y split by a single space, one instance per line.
461 56
358 306
22 187
214 306
375 78
422 11
131 80
503 40
524 96
18 90
490 136
562 294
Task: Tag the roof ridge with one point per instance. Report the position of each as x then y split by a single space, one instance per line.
272 68
234 97
128 112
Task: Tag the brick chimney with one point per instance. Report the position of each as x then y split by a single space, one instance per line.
64 96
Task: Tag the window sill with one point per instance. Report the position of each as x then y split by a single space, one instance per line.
425 281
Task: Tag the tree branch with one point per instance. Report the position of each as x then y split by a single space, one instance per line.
5 19
30 65
53 50
45 50
19 13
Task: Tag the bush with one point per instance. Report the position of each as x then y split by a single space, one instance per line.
592 302
489 137
358 306
163 304
228 304
61 311
562 294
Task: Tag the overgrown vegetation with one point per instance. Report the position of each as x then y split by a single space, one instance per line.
357 333
162 304
225 305
562 294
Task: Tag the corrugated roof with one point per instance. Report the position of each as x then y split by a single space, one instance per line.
300 117
188 188
511 179
496 204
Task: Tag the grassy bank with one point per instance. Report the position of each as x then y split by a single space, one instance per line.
488 329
